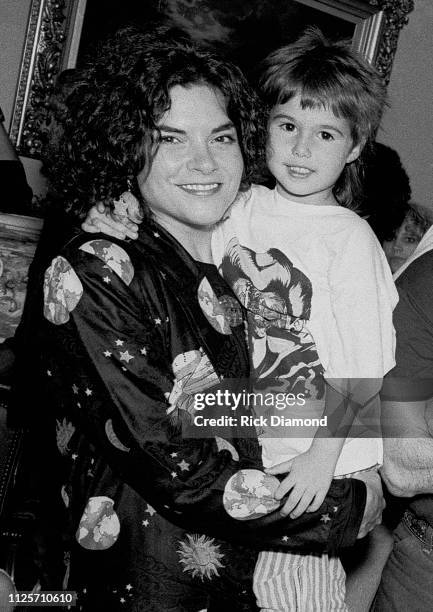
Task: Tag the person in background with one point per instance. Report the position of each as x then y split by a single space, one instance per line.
407 414
160 127
385 191
407 237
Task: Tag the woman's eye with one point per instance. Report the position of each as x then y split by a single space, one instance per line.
225 138
411 239
168 139
326 136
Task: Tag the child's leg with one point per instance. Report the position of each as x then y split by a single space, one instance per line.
285 582
364 566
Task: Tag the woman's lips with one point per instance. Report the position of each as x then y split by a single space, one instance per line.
200 189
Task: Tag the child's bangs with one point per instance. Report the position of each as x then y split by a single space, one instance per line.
326 97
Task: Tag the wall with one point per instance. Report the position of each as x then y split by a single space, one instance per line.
407 125
13 25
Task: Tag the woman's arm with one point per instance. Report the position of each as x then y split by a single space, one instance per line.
408 459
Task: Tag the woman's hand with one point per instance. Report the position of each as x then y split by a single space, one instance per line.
100 219
374 505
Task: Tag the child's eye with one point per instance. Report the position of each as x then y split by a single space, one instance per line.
326 136
288 127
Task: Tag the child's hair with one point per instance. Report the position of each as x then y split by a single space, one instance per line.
329 75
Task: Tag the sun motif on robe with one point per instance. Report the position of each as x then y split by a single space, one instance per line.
200 556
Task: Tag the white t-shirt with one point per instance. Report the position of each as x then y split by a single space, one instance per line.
319 295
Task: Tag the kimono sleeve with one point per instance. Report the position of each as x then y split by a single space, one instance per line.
108 339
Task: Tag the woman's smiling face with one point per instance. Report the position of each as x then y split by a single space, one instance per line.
198 167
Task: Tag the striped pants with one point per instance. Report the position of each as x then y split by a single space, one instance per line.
286 582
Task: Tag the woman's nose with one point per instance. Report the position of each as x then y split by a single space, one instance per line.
397 247
202 159
301 147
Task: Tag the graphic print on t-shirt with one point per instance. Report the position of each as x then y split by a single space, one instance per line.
277 297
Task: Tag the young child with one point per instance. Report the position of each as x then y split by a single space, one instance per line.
317 288
320 300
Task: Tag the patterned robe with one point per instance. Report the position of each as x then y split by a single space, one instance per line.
130 332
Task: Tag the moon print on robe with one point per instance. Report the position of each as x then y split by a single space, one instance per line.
113 437
193 374
65 496
223 444
62 291
114 257
99 526
250 494
277 297
222 313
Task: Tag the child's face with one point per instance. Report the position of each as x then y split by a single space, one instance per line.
307 150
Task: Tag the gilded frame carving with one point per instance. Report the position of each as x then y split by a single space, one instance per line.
53 36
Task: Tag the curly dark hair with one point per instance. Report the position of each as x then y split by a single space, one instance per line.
329 74
107 113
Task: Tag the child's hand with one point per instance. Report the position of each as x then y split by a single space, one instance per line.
101 219
309 480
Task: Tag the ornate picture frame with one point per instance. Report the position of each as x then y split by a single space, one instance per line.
53 40
19 236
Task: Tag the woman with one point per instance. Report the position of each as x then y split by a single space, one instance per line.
128 341
407 237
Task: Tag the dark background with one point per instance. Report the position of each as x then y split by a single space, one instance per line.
245 31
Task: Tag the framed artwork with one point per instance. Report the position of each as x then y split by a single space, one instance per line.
61 32
18 239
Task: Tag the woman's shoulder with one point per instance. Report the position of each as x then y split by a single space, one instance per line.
105 260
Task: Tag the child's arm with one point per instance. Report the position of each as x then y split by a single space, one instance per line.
311 473
310 476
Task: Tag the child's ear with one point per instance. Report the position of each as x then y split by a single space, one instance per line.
355 152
